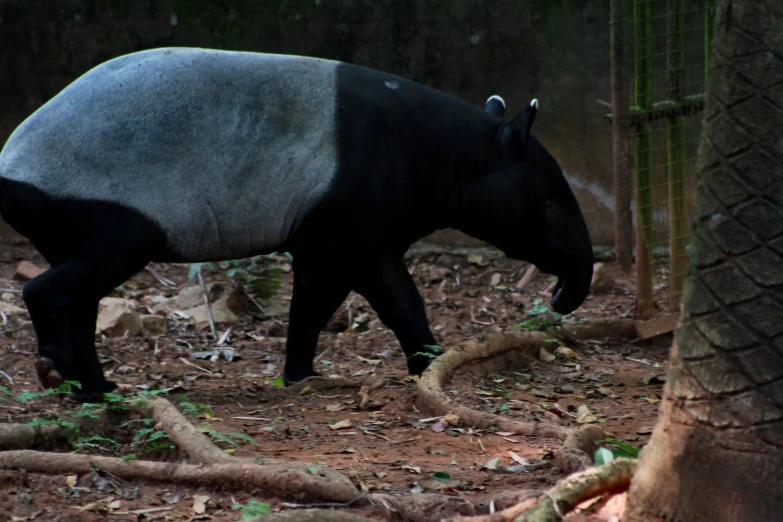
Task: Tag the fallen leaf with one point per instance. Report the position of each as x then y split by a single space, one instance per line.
645 430
114 504
545 356
380 474
438 427
412 469
517 458
334 407
70 480
451 418
477 259
584 415
340 425
495 281
200 504
492 464
567 353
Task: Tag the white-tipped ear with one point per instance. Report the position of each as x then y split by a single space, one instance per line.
495 106
534 103
496 98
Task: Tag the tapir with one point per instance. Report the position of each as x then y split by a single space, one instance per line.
189 155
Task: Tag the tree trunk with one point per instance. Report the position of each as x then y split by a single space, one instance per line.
717 450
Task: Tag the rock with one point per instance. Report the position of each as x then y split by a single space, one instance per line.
11 309
116 316
26 270
221 313
602 279
154 325
192 296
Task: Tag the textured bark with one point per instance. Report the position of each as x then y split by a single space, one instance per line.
717 451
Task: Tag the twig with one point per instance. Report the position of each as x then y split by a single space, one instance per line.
10 291
387 439
206 301
196 366
325 504
6 376
473 319
322 353
162 280
258 305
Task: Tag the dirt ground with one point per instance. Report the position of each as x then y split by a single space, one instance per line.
390 446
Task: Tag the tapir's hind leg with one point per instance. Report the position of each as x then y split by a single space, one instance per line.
63 304
318 291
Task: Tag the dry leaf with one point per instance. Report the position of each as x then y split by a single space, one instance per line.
451 418
495 281
200 504
492 464
334 407
70 480
477 259
114 504
567 353
438 427
584 415
340 425
412 469
545 356
517 458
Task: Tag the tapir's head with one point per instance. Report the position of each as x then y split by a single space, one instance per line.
524 206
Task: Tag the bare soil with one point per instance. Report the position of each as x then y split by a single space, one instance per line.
389 446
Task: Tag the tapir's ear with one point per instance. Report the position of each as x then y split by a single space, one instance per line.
495 106
520 126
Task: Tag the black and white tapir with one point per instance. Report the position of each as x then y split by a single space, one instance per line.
188 155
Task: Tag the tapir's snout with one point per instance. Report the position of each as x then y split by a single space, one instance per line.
573 266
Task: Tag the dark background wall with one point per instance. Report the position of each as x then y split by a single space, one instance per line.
554 50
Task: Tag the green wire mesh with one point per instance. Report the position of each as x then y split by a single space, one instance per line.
665 55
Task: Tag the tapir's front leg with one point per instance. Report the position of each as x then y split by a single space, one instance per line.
318 291
391 291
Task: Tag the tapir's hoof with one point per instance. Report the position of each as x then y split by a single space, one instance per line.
47 375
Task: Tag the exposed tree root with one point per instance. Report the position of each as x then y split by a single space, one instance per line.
614 477
211 465
22 436
576 453
322 383
555 503
316 515
432 400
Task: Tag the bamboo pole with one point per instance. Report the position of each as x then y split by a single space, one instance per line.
643 85
678 232
621 159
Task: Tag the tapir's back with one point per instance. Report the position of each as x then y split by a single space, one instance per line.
225 151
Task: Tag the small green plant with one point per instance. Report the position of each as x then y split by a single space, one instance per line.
194 409
4 391
434 351
620 449
542 318
64 390
263 281
148 440
253 509
226 437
